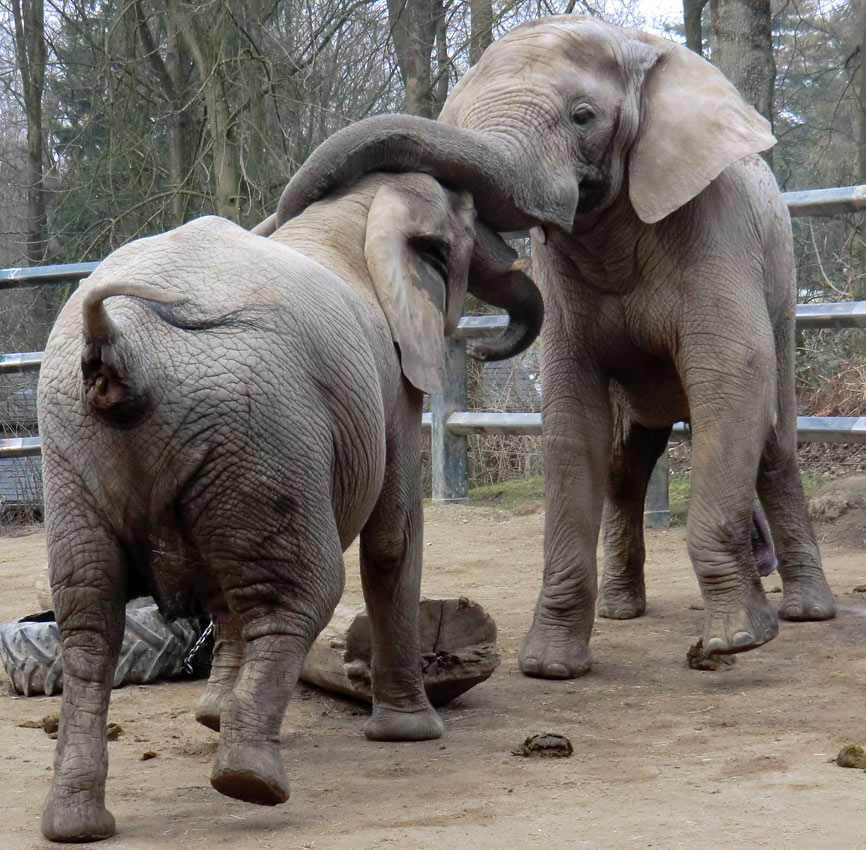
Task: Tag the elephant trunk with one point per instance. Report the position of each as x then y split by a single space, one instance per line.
496 276
507 194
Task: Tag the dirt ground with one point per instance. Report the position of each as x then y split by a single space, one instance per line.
664 756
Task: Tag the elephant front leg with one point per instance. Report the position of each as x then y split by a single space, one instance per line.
391 547
88 603
228 654
622 593
730 415
576 423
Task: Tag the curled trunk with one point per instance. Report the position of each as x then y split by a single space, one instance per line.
496 276
486 165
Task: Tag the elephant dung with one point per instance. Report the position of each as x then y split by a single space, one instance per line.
851 755
548 745
698 659
458 650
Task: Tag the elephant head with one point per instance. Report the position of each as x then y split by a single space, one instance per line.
560 118
424 249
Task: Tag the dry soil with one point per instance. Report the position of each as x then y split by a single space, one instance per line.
664 756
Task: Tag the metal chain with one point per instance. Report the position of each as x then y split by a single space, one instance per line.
196 649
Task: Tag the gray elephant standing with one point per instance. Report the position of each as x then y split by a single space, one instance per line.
221 415
663 250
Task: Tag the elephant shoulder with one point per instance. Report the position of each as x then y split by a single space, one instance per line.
744 199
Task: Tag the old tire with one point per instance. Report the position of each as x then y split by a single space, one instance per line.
152 648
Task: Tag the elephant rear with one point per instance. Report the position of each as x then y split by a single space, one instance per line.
203 400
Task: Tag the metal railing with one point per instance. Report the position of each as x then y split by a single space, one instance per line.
449 421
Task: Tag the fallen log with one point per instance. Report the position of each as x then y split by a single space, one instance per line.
458 650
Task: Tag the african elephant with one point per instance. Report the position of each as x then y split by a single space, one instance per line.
663 251
221 415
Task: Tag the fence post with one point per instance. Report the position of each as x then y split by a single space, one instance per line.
657 509
450 452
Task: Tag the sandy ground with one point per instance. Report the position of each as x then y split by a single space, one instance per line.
664 756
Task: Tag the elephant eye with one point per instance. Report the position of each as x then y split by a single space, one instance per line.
434 252
582 115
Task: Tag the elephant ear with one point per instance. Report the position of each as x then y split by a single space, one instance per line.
694 124
418 247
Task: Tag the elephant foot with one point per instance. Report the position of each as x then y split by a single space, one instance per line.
252 774
210 705
753 625
807 599
390 724
620 603
76 820
552 653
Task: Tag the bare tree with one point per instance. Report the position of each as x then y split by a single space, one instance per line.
413 28
482 28
203 35
693 11
30 52
742 48
861 147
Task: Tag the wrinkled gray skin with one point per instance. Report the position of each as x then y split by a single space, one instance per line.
663 250
222 431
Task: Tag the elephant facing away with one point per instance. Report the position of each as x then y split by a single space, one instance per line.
663 250
221 415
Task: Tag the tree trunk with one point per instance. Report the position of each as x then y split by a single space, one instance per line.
203 46
481 33
859 242
861 148
30 57
413 28
443 63
458 650
179 131
742 48
177 120
692 13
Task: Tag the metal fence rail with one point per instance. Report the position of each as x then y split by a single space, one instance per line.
449 421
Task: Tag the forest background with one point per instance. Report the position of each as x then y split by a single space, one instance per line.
123 118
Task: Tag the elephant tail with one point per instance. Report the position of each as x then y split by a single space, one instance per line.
113 389
98 327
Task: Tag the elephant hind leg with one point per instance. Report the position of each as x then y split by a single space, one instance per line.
391 546
622 591
88 571
806 594
228 654
282 600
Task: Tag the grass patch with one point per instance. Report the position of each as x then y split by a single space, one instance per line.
812 482
679 488
509 494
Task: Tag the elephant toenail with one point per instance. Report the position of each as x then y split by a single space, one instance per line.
743 639
716 644
558 671
530 665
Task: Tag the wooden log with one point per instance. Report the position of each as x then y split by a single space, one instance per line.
458 650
